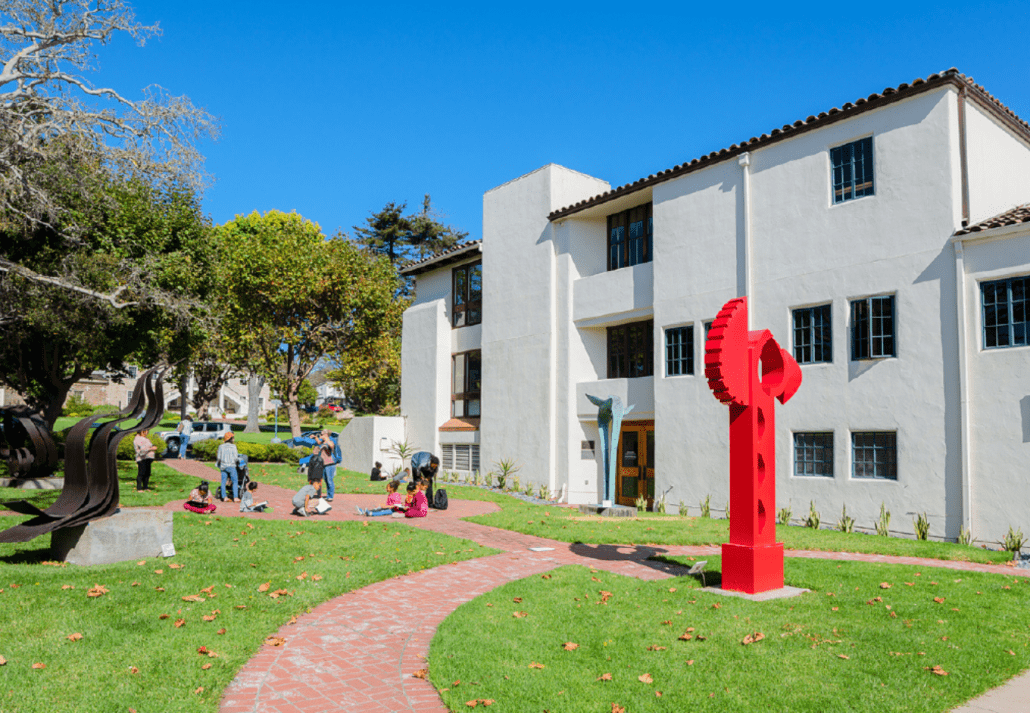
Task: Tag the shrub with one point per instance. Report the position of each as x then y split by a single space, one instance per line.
171 416
965 537
206 450
516 484
922 525
77 406
102 410
298 452
845 523
529 489
126 451
281 453
813 518
682 511
659 505
256 452
706 506
1014 542
884 522
641 503
784 516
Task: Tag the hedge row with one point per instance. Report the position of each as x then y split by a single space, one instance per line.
255 452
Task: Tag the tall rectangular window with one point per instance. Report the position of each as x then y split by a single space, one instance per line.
630 237
1006 322
852 170
466 384
813 454
874 455
631 350
468 294
813 335
679 350
872 328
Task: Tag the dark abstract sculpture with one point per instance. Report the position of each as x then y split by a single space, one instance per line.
26 444
609 422
752 561
90 469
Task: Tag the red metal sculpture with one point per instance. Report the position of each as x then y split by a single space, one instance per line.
747 370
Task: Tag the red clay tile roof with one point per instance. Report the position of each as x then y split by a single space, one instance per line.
444 257
974 91
461 424
1013 216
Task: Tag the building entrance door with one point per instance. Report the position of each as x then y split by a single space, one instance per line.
636 463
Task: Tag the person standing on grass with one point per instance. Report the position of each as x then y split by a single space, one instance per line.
228 456
329 461
185 430
145 451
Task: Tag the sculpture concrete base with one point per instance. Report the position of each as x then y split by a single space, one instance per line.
608 510
752 569
126 535
33 483
781 593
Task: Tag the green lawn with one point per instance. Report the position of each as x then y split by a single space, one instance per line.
223 562
566 525
849 645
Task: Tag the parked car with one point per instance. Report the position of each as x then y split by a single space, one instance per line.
202 431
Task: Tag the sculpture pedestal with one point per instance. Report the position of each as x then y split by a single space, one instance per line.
752 569
126 535
608 510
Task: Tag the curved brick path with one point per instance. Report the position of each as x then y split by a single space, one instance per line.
353 654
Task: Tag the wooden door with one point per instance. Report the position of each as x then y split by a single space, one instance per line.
636 463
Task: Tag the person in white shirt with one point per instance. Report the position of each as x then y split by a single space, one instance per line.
227 458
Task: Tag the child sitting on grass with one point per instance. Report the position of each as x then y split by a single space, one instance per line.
247 502
305 501
200 499
394 502
419 505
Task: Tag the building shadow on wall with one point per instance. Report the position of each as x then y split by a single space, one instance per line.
1024 410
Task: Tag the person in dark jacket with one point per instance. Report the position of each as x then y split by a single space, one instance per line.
424 465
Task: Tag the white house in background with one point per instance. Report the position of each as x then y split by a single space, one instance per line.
232 401
886 244
328 392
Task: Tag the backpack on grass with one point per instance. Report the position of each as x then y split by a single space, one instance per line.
440 499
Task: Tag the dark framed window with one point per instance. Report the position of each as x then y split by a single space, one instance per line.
874 454
679 350
630 237
813 454
468 294
813 335
872 328
852 170
631 350
1006 322
466 384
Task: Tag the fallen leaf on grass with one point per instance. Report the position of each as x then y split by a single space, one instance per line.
645 678
133 670
534 664
279 593
520 614
910 584
205 667
67 586
844 656
264 587
275 641
203 651
686 637
208 617
164 616
134 584
617 708
141 563
569 646
658 694
159 589
421 673
752 638
176 566
605 677
74 637
666 622
193 598
302 576
939 600
241 606
690 662
3 661
179 623
655 648
316 577
38 666
937 670
1011 652
717 606
220 632
97 590
517 600
545 576
210 591
874 599
885 585
199 690
605 596
594 579
159 571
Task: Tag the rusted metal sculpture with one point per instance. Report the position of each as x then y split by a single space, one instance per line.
90 469
752 561
26 444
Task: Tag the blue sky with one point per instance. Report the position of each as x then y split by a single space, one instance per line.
333 109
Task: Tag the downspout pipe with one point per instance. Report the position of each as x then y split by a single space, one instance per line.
963 386
744 160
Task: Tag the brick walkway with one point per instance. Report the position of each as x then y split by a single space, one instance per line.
351 654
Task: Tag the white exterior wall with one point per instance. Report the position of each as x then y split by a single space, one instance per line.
426 363
997 392
999 166
368 439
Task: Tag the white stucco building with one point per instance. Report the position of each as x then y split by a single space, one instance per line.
886 244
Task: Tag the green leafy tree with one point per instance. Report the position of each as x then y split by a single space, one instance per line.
139 235
290 297
307 395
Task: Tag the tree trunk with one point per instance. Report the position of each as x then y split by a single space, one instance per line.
54 407
203 407
293 413
183 382
254 385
